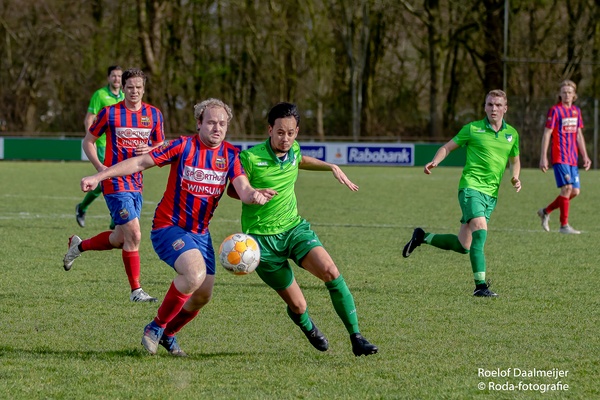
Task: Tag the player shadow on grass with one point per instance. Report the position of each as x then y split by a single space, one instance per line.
6 351
306 286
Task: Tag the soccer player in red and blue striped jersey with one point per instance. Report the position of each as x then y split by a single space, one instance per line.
132 128
201 166
563 133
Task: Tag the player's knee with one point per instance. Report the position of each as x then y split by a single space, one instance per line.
298 306
329 272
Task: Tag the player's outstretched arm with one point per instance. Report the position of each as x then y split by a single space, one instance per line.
314 164
126 167
440 155
242 190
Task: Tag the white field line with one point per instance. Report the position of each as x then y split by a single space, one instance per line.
30 216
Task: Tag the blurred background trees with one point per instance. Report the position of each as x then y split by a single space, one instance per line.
358 69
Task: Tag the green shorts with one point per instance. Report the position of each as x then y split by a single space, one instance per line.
275 251
475 204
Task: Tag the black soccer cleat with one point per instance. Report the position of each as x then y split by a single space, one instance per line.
79 216
361 346
483 290
418 237
316 338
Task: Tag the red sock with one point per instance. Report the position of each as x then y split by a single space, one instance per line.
131 260
180 321
564 210
99 242
171 306
554 205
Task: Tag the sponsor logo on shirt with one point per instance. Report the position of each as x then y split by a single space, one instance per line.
131 137
203 182
569 125
262 164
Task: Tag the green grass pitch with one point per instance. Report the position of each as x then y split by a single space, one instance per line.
68 335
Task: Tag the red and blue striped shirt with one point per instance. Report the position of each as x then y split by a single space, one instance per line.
564 122
197 181
125 129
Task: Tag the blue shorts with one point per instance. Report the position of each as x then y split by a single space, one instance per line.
566 175
169 243
124 206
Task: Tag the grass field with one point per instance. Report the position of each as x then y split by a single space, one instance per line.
75 335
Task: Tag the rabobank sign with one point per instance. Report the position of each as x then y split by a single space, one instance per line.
319 152
382 155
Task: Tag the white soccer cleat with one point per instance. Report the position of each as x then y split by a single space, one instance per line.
72 253
138 296
567 229
545 219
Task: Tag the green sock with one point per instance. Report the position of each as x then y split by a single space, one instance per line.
89 198
477 256
445 242
302 320
343 303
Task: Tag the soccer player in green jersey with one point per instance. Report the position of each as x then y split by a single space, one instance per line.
106 96
282 234
490 143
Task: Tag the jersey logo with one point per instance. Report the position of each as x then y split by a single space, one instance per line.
131 137
203 182
262 164
220 163
145 120
480 131
164 145
509 137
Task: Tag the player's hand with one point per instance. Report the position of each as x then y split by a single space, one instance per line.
142 148
268 193
342 178
516 183
89 183
587 163
259 198
429 167
544 164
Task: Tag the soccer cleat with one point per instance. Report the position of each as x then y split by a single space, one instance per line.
316 338
151 337
170 343
361 346
483 290
79 216
545 219
568 230
72 253
138 296
418 237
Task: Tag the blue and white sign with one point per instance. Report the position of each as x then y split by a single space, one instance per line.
319 152
401 155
